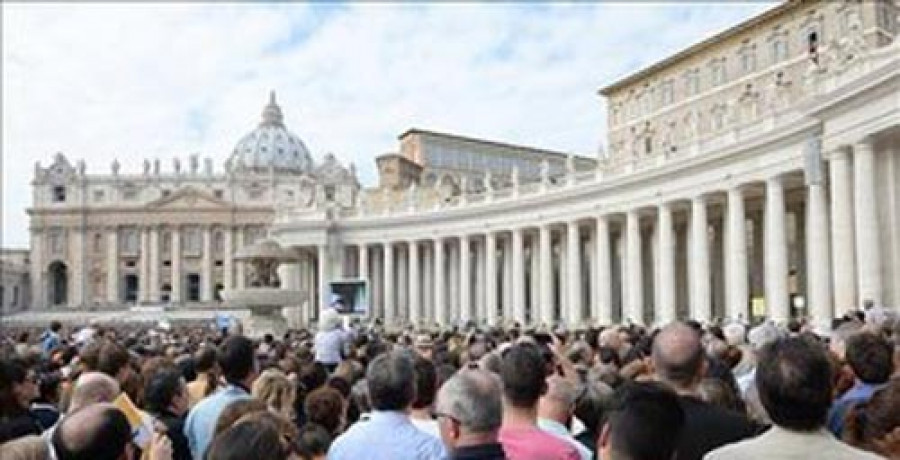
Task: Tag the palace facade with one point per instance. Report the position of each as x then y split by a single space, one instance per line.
753 175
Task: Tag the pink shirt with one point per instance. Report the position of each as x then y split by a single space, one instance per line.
532 443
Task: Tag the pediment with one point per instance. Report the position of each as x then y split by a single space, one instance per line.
188 198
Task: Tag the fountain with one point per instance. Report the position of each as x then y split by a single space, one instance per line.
264 297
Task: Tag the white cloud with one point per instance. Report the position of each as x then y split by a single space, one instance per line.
100 81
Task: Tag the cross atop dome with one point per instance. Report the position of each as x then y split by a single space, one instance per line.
272 115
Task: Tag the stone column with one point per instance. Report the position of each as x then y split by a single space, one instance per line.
401 261
440 283
868 240
415 296
112 265
240 268
78 271
390 301
490 277
573 272
603 303
818 260
518 275
545 306
322 264
38 283
175 296
228 258
480 282
634 294
535 286
207 283
427 267
842 232
507 295
363 274
154 264
736 287
699 262
776 271
465 279
454 284
144 267
665 270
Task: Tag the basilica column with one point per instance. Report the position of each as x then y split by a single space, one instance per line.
603 303
518 275
480 282
427 267
534 307
634 305
490 277
573 283
390 305
545 306
144 267
154 264
112 265
868 241
240 268
665 269
817 254
402 289
699 263
176 296
454 314
776 272
207 284
465 279
507 295
228 258
842 232
737 289
363 274
415 297
440 284
323 265
38 283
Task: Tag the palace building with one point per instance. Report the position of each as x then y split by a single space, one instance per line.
753 175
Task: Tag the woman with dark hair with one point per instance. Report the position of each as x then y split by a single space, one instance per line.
874 425
326 407
18 387
207 369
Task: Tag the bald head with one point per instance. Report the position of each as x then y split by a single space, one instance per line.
678 356
98 432
558 403
92 388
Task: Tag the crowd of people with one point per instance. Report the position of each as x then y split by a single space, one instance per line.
680 391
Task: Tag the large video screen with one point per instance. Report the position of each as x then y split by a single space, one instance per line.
349 297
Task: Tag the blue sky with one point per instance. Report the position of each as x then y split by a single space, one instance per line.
106 81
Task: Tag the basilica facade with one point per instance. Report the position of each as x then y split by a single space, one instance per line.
753 175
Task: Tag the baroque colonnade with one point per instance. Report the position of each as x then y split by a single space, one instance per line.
743 245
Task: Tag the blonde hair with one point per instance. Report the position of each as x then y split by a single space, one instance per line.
277 391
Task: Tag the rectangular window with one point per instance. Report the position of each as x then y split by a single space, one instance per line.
99 196
59 193
218 193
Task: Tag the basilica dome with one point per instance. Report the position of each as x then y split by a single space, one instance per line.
270 146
